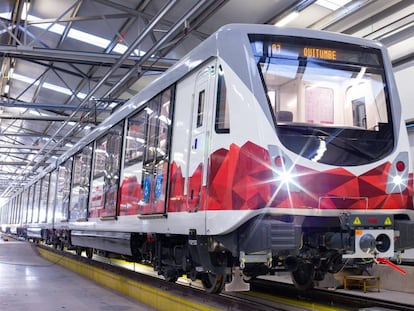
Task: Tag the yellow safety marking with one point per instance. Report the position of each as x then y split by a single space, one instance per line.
357 221
388 221
294 302
156 298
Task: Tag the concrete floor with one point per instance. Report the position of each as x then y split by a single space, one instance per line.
29 282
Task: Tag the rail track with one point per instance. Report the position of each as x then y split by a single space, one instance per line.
264 295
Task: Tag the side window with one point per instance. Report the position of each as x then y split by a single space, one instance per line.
106 168
63 191
43 198
131 185
30 200
222 124
12 207
165 122
51 196
36 201
156 162
152 132
25 206
144 180
19 209
80 184
200 108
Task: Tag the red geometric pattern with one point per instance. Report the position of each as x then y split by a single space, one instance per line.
130 195
241 178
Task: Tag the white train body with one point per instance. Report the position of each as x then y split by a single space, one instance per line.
263 145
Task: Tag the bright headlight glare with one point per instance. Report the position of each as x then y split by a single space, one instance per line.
285 177
397 180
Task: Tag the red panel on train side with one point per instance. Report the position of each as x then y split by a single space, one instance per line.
242 178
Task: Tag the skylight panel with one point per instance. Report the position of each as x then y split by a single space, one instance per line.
76 35
46 85
5 15
88 38
332 4
121 49
56 28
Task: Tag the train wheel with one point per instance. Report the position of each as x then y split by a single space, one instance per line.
78 251
89 252
212 283
170 274
303 276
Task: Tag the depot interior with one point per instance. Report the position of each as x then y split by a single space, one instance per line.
67 65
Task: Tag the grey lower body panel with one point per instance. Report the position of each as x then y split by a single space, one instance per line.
116 242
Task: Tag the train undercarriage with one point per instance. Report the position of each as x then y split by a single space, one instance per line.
306 247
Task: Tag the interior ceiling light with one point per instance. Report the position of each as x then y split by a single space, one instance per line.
332 4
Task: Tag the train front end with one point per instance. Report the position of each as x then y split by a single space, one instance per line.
341 165
334 181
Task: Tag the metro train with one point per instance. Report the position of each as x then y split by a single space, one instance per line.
264 149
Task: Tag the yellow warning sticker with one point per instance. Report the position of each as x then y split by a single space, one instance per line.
387 221
357 221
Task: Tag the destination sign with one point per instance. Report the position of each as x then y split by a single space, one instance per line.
319 53
307 51
309 48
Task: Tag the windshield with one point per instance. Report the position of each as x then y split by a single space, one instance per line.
329 99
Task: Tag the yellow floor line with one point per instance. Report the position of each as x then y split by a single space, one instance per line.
154 297
296 303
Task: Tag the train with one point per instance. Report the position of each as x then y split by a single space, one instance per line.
264 149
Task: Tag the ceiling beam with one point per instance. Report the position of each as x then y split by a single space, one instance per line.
79 18
28 147
79 57
13 163
47 118
49 106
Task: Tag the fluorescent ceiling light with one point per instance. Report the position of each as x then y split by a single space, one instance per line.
88 38
332 4
121 49
25 9
113 105
76 35
287 19
46 85
6 89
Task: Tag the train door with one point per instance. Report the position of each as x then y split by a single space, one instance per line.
200 137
